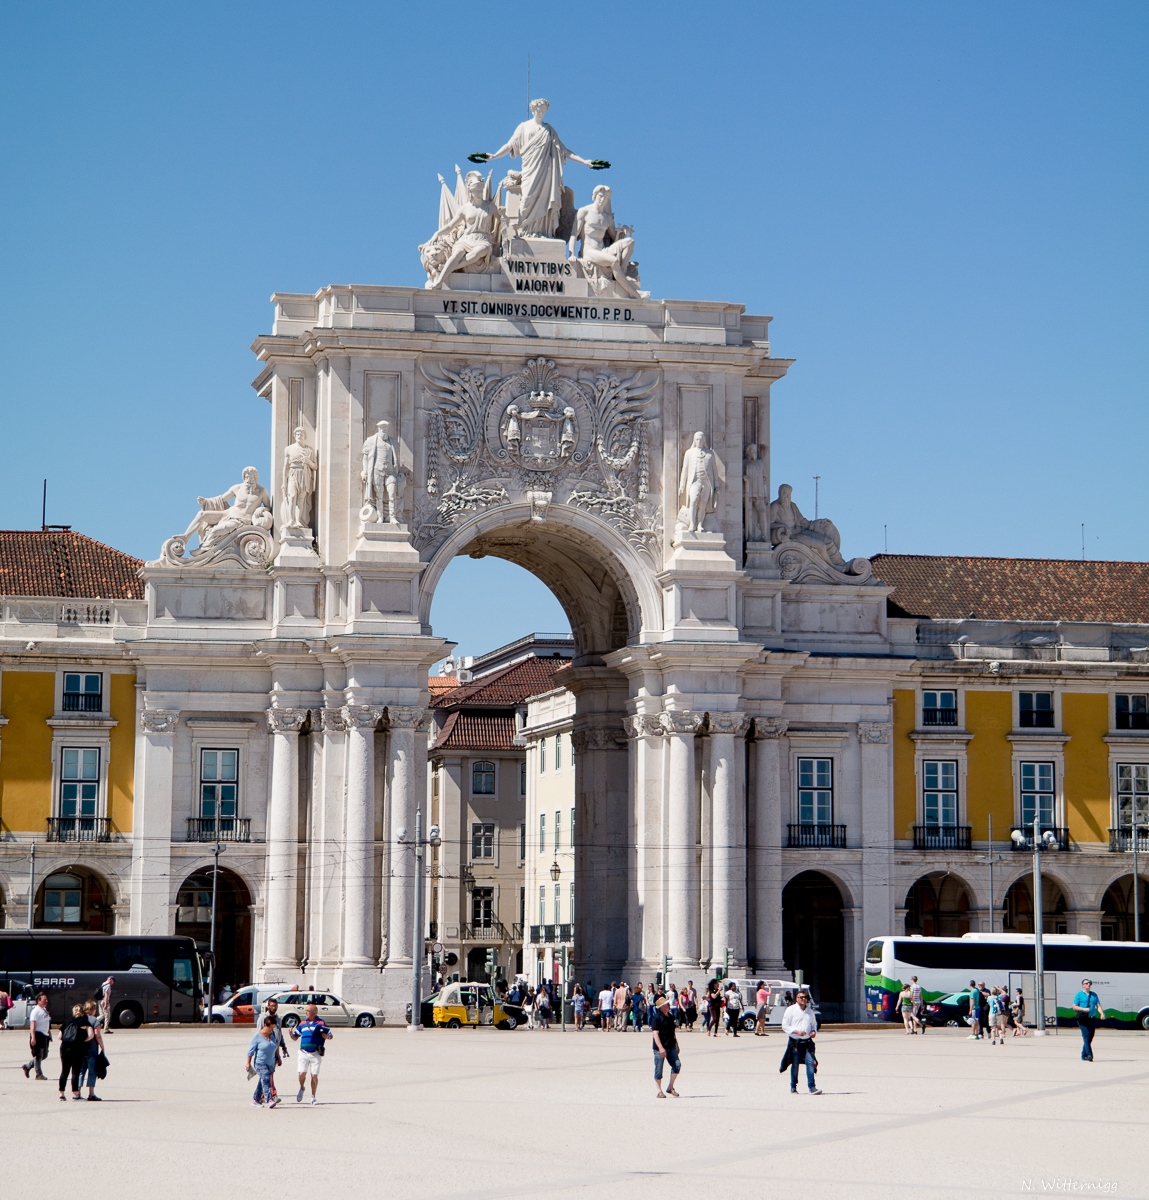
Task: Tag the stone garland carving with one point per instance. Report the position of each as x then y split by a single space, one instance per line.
811 551
681 722
158 720
239 532
334 720
286 720
727 722
406 716
643 725
874 733
770 727
597 737
539 437
361 716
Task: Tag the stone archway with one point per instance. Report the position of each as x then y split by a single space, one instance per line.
813 939
233 922
75 897
1019 906
1117 923
937 905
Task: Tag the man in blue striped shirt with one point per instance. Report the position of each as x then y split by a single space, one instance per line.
310 1033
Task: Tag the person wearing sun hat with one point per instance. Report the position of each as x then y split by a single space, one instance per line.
665 1047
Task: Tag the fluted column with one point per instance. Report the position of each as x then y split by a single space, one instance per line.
406 788
359 839
282 897
728 837
680 729
766 841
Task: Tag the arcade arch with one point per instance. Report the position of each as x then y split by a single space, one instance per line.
1018 917
233 922
75 897
937 905
813 938
1117 924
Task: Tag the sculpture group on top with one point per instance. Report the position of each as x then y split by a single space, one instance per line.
240 531
808 551
480 229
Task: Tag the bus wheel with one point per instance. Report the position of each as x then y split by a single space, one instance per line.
454 1023
1143 1019
128 1016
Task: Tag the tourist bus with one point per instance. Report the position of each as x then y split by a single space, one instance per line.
157 978
1119 971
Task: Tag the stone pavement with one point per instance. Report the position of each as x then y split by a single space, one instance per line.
470 1114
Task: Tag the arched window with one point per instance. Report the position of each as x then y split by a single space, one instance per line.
483 779
62 895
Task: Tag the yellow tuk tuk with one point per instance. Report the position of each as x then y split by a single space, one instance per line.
461 1004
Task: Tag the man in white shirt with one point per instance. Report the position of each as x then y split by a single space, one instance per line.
605 1007
39 1037
800 1025
106 1003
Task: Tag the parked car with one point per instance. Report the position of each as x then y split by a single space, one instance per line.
948 1010
426 1011
331 1009
240 1009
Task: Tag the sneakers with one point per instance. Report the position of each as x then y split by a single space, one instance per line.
314 1101
274 1102
816 1092
299 1096
793 1091
95 1097
26 1068
257 1104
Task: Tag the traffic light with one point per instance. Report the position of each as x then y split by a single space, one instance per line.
492 964
726 958
450 958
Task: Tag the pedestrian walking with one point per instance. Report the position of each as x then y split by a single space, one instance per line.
974 1012
271 1009
529 1007
919 1008
5 1008
621 1006
1089 1011
312 1034
996 1022
73 1050
105 1002
983 1007
543 1006
761 1009
714 1007
94 1047
262 1055
733 1008
578 1004
672 996
906 1008
800 1026
605 1007
638 1008
665 1047
689 1002
39 1036
1017 1011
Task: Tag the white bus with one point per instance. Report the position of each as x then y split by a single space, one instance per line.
1119 971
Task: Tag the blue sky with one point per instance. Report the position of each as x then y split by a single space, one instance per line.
943 206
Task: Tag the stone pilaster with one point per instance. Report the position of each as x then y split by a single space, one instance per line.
407 791
282 892
728 836
680 729
766 845
359 840
152 823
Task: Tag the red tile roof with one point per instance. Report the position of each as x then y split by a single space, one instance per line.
503 688
1015 589
61 563
465 731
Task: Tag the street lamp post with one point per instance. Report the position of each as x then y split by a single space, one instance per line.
211 937
1136 882
32 885
418 939
1049 842
556 871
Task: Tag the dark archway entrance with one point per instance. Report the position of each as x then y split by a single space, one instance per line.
75 898
813 939
1019 907
232 923
938 906
1117 911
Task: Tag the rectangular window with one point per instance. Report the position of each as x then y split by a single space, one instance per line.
1037 793
558 903
79 788
815 791
542 832
523 778
522 906
522 840
542 756
483 839
83 693
483 907
1133 712
542 903
483 779
558 828
1132 794
940 801
558 751
572 828
219 787
939 708
570 911
1035 710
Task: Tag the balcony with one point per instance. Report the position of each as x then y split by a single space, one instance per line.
485 931
1062 836
939 716
1121 840
816 837
83 702
219 829
79 829
549 935
941 837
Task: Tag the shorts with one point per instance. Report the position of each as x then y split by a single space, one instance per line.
671 1057
309 1062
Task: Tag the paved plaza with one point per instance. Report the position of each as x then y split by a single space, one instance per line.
482 1113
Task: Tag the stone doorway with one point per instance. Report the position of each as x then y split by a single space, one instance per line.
232 928
813 939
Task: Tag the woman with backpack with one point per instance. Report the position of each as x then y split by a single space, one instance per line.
73 1050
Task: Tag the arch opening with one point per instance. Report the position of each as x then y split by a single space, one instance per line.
1019 907
77 899
1117 916
232 922
813 939
937 905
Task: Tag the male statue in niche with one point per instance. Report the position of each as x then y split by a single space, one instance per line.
697 486
382 476
298 483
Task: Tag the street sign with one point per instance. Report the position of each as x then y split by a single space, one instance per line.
437 948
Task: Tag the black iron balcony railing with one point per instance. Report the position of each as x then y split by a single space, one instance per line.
485 931
1121 840
1026 841
219 829
941 837
79 829
939 716
816 837
83 702
517 931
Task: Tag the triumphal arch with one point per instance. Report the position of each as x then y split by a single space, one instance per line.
535 401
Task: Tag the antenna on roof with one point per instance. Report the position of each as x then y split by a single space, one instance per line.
44 508
1082 541
886 537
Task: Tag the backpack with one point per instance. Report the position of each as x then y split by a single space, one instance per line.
72 1035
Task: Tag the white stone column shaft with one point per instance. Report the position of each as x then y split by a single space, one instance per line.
407 790
766 897
728 838
359 840
152 824
282 904
682 840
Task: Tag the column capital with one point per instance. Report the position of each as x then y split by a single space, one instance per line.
874 733
406 716
734 723
361 716
770 727
334 720
597 737
642 725
286 720
159 720
680 722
